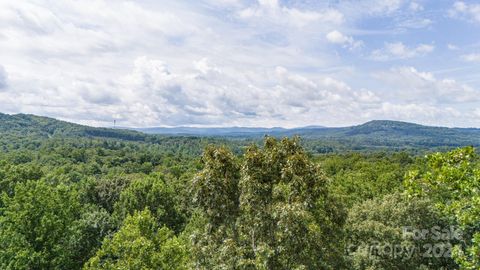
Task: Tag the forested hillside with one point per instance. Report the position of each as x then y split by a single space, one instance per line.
373 134
75 197
37 126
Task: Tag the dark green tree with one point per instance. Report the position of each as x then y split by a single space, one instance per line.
274 212
150 192
381 235
452 181
46 227
141 244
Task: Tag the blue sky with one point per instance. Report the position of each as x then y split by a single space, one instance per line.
242 63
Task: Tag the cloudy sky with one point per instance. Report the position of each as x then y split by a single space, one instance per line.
242 63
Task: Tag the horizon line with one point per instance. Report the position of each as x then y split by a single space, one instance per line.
233 126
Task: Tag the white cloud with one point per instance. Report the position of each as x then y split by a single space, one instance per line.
208 94
466 11
473 57
477 112
409 84
417 112
3 78
387 6
367 96
337 37
415 23
414 6
223 62
372 7
73 28
212 95
398 50
69 60
392 15
274 12
95 92
452 47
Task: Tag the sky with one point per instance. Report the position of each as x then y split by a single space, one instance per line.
242 63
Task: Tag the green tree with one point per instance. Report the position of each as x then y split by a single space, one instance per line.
274 212
452 181
150 192
215 192
141 244
46 227
380 234
10 175
358 177
106 190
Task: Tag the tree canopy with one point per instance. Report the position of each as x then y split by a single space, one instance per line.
102 201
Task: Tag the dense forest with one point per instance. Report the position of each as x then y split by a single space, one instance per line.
76 197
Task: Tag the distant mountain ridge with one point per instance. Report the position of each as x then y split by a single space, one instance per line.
371 127
373 134
216 131
207 131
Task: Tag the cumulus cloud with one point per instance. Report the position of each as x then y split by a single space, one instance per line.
205 95
398 50
155 94
217 62
466 11
96 92
417 112
69 60
337 37
409 84
211 95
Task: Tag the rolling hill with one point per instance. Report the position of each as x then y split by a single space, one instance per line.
373 133
383 134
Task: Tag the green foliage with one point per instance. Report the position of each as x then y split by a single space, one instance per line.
106 190
141 244
124 200
452 181
371 136
380 234
358 177
273 213
10 175
215 188
151 193
45 227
